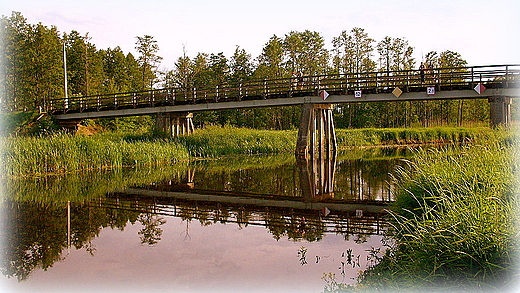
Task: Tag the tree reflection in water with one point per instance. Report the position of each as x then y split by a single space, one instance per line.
151 232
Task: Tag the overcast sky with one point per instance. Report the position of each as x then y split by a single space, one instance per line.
484 32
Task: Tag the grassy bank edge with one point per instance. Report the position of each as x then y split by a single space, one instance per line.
62 153
454 223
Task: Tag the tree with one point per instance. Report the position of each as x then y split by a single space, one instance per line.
241 66
182 75
353 52
148 59
43 65
270 61
32 61
201 70
14 33
133 73
84 65
451 59
395 54
305 53
115 69
218 68
432 59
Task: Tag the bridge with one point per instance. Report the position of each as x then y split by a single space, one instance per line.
174 107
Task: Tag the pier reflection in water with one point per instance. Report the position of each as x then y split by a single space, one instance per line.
80 232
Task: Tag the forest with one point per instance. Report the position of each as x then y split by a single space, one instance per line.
32 63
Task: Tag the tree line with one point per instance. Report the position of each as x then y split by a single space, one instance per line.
32 62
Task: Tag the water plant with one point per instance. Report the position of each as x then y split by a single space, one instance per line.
216 141
61 153
419 135
454 221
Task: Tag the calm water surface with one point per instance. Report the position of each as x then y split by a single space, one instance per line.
251 224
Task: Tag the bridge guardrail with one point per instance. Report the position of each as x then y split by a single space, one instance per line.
458 78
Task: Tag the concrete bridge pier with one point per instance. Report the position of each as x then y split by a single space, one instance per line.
175 124
316 135
499 111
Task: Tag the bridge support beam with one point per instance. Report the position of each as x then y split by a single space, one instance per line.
175 124
499 111
316 136
70 126
317 177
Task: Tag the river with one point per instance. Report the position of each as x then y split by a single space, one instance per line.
242 224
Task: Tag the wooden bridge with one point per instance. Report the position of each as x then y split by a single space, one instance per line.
344 218
174 106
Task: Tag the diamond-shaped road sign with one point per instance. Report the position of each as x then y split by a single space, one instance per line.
397 92
479 88
324 95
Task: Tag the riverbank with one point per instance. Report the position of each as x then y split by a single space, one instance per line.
402 136
454 223
62 153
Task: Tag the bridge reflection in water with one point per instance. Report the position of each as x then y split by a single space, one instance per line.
307 212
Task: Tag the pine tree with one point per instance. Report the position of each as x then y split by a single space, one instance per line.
148 59
241 66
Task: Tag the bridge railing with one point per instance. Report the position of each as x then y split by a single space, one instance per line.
458 78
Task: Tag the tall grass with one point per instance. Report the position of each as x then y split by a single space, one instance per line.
392 136
59 153
454 221
222 141
66 153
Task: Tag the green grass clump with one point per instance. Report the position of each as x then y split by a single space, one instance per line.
395 136
454 221
63 153
217 141
59 153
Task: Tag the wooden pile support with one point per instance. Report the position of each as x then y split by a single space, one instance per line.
500 111
175 124
317 177
316 136
70 126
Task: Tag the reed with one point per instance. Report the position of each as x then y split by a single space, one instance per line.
217 141
62 153
400 136
454 221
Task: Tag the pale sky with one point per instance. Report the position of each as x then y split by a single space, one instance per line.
484 32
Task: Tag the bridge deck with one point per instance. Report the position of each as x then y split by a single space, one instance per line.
341 221
448 83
